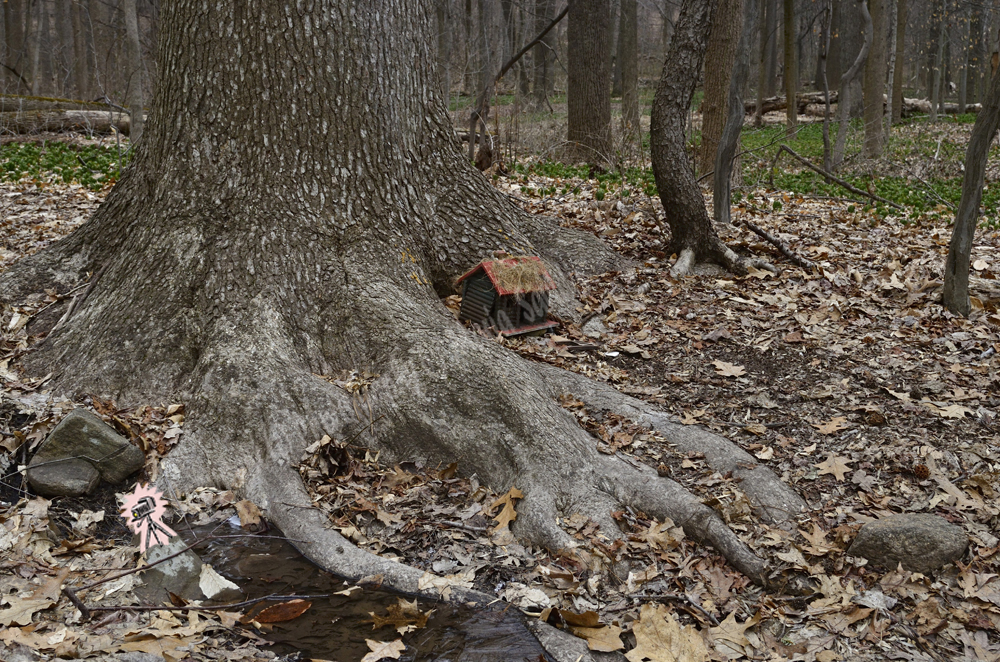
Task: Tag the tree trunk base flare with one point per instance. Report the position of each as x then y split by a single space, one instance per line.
240 263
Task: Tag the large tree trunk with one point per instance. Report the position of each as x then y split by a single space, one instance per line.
844 94
588 92
720 55
956 270
239 259
978 64
15 57
875 79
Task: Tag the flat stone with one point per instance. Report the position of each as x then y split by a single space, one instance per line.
921 542
594 328
83 435
72 477
184 575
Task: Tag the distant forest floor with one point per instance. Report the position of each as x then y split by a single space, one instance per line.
851 382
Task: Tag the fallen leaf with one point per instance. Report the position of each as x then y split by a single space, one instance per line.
728 369
729 637
660 638
835 424
283 611
834 465
507 514
381 650
605 639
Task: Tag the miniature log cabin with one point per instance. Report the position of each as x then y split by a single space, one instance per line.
509 296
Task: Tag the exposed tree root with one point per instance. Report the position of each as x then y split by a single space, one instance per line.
722 255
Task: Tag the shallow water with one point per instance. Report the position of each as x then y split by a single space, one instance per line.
335 627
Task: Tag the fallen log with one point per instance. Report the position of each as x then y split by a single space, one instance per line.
37 121
812 103
12 103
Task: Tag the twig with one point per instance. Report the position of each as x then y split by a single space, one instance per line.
787 252
832 177
245 603
679 598
770 426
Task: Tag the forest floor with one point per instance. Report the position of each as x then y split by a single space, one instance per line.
851 382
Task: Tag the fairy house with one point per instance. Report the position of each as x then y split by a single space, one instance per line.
510 295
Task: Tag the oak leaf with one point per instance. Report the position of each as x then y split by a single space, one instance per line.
660 638
382 650
837 466
835 424
605 639
507 513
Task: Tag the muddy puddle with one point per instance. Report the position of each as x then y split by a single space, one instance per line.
335 627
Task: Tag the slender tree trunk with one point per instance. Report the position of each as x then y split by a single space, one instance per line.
875 79
239 259
63 55
589 87
14 19
834 59
791 68
542 58
725 158
771 28
628 55
887 119
469 82
444 35
616 48
823 54
963 69
844 93
762 82
937 79
978 62
667 27
135 83
720 56
956 270
902 8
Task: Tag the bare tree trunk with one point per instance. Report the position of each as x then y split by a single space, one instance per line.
444 36
720 56
771 65
875 79
542 57
956 270
725 159
937 80
978 62
844 94
887 119
135 83
763 41
902 8
589 87
63 48
616 48
825 80
469 82
628 54
791 67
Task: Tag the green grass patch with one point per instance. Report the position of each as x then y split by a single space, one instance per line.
92 166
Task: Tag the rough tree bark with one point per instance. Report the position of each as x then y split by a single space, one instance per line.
720 55
978 65
791 74
692 236
902 9
956 270
588 90
15 58
875 79
239 258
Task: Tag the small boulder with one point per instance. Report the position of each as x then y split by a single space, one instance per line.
71 477
184 575
82 437
921 542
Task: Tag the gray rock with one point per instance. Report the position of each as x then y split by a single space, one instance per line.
84 436
921 542
182 575
594 328
64 478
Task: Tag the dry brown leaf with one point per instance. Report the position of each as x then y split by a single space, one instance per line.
383 650
835 424
728 369
837 466
283 611
605 639
660 638
507 514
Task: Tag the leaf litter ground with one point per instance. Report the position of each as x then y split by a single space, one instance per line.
851 383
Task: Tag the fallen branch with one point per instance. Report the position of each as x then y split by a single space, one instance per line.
774 241
832 178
